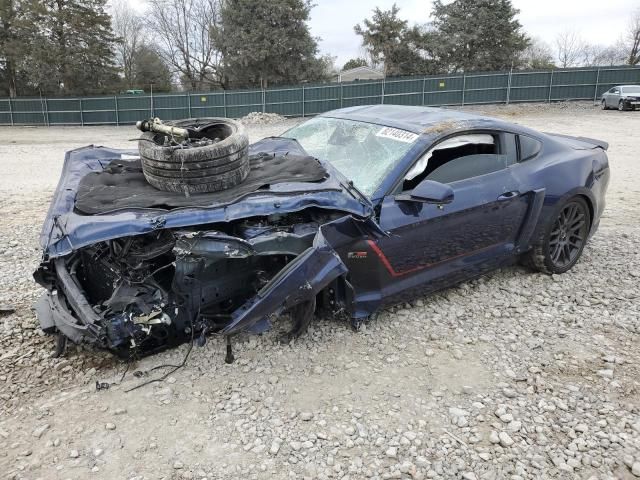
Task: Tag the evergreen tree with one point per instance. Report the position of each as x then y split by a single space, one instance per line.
149 67
18 28
73 52
390 42
477 35
354 63
267 43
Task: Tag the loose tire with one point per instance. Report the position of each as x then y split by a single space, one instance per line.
197 169
564 239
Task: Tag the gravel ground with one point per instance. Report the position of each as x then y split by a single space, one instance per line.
515 375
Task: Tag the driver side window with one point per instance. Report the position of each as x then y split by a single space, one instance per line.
461 157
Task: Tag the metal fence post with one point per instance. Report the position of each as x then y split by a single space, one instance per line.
382 97
509 85
424 86
264 100
464 86
224 102
151 101
81 114
302 100
115 103
550 85
189 103
595 92
42 109
10 112
341 93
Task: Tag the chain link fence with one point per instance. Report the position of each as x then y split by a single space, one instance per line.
311 99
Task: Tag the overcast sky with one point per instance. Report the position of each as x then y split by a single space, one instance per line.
598 22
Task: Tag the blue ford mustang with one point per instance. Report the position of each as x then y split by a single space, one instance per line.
349 211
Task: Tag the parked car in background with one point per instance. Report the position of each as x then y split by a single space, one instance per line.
622 97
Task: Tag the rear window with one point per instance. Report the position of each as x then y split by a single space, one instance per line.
529 147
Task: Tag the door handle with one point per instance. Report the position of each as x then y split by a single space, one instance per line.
508 196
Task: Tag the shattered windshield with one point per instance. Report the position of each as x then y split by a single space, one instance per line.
363 152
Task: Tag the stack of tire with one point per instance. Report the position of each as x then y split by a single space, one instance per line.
197 169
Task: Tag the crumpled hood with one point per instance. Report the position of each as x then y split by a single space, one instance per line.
66 230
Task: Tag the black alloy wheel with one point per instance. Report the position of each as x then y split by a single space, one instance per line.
568 235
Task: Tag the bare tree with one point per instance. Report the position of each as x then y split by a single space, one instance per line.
570 48
632 40
182 29
537 55
602 55
128 27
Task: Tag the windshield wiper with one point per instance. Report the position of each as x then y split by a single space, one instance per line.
351 188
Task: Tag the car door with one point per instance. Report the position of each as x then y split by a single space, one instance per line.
613 97
431 246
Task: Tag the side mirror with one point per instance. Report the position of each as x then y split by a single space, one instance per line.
429 191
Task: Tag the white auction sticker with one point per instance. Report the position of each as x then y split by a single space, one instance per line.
397 134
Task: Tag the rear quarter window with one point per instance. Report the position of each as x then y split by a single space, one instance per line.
529 147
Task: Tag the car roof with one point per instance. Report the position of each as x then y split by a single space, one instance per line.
413 119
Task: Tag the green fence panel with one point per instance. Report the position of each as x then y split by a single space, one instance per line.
63 111
529 94
618 76
319 99
486 81
407 86
285 101
407 91
99 111
439 90
171 106
436 99
361 93
211 104
574 85
241 103
132 108
28 111
5 112
414 99
572 92
311 99
530 86
531 79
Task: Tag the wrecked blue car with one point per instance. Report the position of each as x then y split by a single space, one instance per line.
348 212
